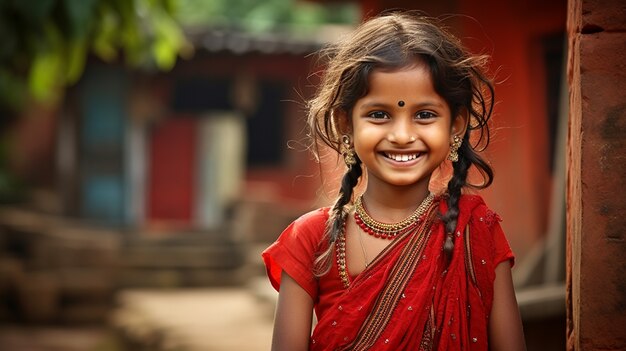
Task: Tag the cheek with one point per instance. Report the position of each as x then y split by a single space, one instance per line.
363 145
366 134
437 137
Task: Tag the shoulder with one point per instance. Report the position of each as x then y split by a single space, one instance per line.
485 227
300 240
478 211
471 202
314 217
473 211
487 238
312 221
309 226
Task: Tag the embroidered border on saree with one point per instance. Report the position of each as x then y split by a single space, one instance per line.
428 336
387 300
469 262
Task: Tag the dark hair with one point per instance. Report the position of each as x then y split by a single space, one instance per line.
391 41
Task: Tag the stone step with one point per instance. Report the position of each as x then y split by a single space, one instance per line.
191 259
177 278
179 257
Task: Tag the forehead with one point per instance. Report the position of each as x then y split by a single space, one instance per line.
406 81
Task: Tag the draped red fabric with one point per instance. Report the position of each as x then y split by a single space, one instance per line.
441 307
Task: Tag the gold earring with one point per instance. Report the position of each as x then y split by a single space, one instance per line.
454 148
347 151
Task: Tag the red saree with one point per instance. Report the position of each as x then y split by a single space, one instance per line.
407 299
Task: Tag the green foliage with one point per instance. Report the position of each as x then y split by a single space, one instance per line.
46 42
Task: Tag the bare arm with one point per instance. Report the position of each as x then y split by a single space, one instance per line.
505 324
292 323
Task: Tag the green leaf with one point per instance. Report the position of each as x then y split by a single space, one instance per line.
164 54
168 41
45 43
43 76
130 36
105 36
76 56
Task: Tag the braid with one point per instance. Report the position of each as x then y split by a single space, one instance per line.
467 158
338 215
456 183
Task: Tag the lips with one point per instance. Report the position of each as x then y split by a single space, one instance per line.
401 157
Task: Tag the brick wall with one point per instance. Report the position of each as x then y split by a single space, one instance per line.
596 217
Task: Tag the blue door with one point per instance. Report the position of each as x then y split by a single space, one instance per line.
102 121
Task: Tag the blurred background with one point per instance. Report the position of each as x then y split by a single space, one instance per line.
151 149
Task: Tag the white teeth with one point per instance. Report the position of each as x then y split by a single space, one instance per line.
401 158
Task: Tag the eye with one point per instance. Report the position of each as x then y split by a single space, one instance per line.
425 115
378 115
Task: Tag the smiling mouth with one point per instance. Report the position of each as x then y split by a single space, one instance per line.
401 157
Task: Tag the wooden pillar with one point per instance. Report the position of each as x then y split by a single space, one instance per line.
596 216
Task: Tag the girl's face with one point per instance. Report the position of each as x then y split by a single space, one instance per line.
402 129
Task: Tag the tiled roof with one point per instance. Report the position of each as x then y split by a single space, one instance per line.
243 42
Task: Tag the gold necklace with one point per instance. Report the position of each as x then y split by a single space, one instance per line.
388 230
341 241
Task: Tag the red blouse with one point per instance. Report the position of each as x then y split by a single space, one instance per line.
295 249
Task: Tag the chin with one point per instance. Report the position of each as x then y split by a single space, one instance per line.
404 182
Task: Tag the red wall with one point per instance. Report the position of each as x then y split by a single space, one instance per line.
520 149
511 32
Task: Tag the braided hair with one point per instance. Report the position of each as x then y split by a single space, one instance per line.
392 41
467 158
339 214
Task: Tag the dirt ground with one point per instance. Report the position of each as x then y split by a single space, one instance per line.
207 319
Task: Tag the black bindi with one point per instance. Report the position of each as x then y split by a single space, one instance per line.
400 103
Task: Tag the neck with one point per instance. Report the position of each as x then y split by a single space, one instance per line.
390 203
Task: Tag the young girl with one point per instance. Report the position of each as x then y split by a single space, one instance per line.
397 267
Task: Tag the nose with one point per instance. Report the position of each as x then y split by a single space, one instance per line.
402 132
